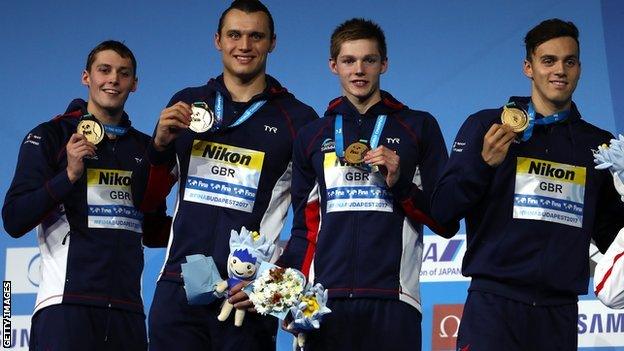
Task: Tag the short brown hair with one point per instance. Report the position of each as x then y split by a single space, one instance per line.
248 6
355 29
549 29
120 48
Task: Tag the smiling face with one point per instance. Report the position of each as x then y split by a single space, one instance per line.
240 268
359 65
110 80
554 69
245 42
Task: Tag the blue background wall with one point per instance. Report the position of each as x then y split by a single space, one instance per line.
451 58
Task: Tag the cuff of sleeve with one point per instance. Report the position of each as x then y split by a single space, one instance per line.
401 190
59 186
483 168
156 157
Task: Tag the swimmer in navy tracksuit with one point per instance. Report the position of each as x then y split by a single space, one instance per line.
532 201
78 196
356 231
233 175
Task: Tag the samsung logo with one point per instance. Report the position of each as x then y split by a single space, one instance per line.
601 323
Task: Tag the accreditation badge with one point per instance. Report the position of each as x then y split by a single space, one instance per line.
516 118
202 117
549 191
109 200
91 128
352 188
223 175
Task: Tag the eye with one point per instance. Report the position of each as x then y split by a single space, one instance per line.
571 62
257 36
548 61
234 35
234 261
370 60
249 267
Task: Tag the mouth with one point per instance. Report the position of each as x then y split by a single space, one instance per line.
237 272
244 59
359 83
111 91
559 84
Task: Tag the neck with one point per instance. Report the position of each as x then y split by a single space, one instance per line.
242 90
362 105
103 115
547 108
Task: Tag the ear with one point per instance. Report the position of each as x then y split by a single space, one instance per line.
217 41
135 85
85 79
527 68
273 42
332 66
384 65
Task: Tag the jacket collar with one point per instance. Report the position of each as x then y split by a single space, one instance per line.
523 102
386 106
80 106
273 89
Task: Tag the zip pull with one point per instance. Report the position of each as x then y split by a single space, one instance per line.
65 238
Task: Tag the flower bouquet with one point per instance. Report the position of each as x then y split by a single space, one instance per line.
283 293
611 157
276 290
307 315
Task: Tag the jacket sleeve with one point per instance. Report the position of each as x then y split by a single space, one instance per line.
38 184
609 274
154 176
609 213
466 176
415 194
299 251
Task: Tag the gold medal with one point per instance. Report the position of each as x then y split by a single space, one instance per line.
516 118
202 118
355 152
91 128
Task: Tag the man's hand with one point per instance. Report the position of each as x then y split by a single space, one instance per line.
388 162
496 143
77 148
172 121
239 298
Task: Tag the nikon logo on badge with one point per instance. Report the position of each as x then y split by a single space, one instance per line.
546 169
113 178
6 314
220 153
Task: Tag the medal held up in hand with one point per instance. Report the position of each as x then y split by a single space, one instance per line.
516 118
91 128
202 118
354 154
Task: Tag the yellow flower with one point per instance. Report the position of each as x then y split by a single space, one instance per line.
311 305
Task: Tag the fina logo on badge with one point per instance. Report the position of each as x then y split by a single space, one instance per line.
22 268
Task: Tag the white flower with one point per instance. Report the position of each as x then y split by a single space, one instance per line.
277 290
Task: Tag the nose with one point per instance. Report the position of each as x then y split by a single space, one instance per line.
359 67
560 68
113 78
245 43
